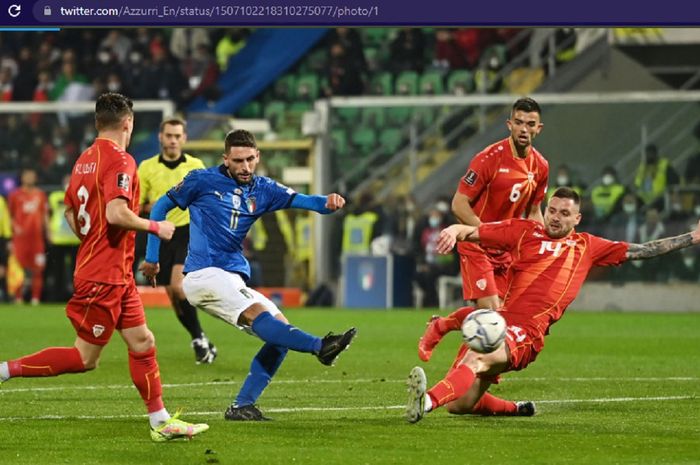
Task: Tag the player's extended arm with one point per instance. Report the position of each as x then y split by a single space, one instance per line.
119 214
455 233
462 209
535 213
71 221
323 204
658 247
150 266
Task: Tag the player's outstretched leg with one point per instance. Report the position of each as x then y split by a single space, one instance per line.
333 344
417 385
276 332
436 329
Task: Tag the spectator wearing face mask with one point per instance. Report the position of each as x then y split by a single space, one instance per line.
624 225
565 178
431 265
654 175
607 196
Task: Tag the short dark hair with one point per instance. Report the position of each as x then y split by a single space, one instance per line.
527 105
239 138
110 110
173 122
567 193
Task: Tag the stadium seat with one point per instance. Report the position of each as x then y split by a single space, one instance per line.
374 117
348 115
406 83
364 138
430 83
460 78
398 116
381 84
252 109
339 142
376 36
284 88
307 84
274 112
391 141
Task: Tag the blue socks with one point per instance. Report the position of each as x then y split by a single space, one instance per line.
262 369
273 331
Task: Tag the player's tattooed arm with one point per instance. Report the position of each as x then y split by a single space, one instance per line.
659 247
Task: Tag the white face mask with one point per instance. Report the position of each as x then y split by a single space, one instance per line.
434 221
562 180
689 261
629 207
697 210
608 179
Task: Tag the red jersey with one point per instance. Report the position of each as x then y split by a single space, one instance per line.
102 173
28 210
546 274
502 185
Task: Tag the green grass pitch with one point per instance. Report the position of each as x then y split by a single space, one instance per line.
610 388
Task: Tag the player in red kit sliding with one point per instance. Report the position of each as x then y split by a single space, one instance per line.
102 204
29 212
550 264
507 179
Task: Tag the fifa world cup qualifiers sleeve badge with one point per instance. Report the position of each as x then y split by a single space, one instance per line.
123 181
471 177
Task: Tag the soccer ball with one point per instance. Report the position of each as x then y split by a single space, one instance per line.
484 330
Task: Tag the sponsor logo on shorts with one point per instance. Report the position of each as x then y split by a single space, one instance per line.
481 284
97 330
123 181
471 177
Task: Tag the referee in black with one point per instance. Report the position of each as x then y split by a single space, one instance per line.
157 175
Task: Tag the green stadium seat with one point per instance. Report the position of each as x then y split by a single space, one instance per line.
364 139
348 115
274 112
381 84
430 83
250 110
460 78
374 117
376 36
339 142
297 109
398 116
284 88
309 84
406 83
391 141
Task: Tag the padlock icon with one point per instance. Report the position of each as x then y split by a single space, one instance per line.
47 10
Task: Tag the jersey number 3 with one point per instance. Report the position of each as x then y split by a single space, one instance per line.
83 215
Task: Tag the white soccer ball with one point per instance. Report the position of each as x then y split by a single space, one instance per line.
484 330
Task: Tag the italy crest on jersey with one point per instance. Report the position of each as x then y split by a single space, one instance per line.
251 204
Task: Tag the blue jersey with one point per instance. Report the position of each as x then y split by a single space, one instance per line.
221 213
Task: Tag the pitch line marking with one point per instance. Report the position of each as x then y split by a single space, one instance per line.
327 381
338 409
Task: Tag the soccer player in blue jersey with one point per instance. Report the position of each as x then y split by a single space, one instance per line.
224 202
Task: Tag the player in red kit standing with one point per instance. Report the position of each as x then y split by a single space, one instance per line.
550 264
506 180
102 202
29 212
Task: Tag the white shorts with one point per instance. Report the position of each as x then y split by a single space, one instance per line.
223 294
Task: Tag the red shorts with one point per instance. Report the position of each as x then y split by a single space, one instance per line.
97 309
523 346
483 275
30 257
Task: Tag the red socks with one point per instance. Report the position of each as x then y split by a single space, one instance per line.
453 386
453 321
52 361
491 405
146 377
